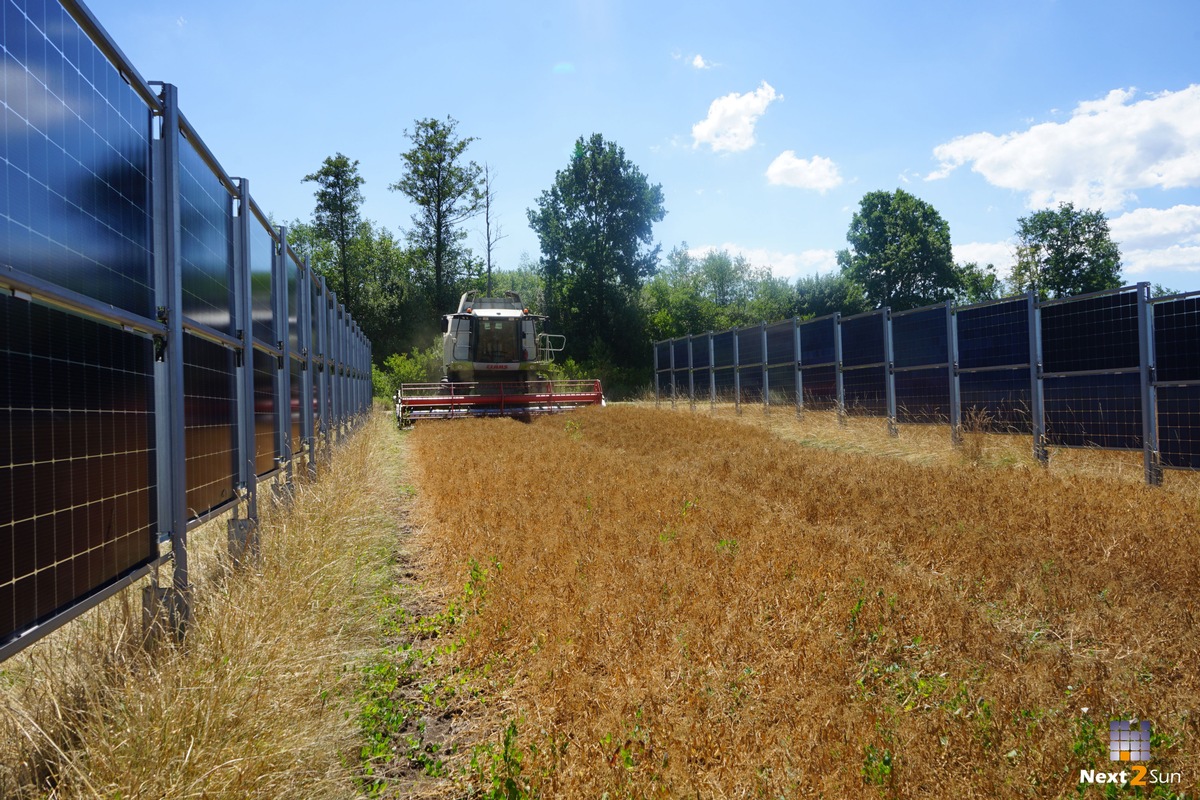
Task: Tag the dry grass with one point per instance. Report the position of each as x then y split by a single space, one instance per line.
258 701
666 604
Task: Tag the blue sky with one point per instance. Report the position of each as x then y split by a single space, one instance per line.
765 123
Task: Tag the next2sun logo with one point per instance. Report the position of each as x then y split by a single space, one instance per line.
1129 741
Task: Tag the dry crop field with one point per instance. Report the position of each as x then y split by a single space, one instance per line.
661 604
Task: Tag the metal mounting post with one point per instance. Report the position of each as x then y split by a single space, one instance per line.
1036 397
1151 460
952 370
889 374
168 369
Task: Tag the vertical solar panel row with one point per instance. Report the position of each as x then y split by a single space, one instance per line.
152 328
1113 369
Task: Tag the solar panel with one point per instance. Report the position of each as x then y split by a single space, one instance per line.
923 395
994 335
781 344
1177 339
817 342
1095 333
919 338
265 450
1179 426
210 408
76 205
1094 411
862 340
820 387
77 482
206 241
865 391
750 346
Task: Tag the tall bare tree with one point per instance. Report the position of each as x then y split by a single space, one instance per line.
492 231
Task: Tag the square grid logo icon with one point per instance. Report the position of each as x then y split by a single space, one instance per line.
1128 740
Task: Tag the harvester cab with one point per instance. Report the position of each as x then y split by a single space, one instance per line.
494 363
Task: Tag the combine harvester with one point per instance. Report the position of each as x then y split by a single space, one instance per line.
491 357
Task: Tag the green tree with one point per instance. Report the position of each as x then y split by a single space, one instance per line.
336 216
818 295
444 185
900 251
1066 251
978 284
594 225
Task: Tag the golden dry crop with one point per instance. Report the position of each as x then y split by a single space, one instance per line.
666 604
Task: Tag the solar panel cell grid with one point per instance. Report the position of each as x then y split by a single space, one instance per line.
76 478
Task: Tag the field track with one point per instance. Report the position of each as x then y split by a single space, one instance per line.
665 604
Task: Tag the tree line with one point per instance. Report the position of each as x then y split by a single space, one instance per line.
603 281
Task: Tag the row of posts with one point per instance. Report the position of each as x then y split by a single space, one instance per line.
339 350
1151 462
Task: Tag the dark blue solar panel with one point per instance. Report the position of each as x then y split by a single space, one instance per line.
205 212
723 349
865 391
923 395
1094 411
997 400
781 343
750 349
209 414
820 386
264 412
293 279
700 351
662 352
782 383
294 391
919 338
816 341
1177 339
1179 426
1090 334
751 380
723 380
862 340
77 496
262 253
993 336
75 200
680 348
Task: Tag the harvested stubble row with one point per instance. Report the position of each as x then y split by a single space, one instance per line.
677 606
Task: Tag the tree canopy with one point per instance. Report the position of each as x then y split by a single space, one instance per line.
1066 251
445 187
899 251
336 216
594 225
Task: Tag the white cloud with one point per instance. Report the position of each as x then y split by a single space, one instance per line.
782 265
1158 239
699 63
1099 158
815 173
731 119
1001 255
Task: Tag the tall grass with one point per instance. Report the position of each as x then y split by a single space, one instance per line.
683 605
258 701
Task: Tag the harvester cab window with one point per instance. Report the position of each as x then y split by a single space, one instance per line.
496 342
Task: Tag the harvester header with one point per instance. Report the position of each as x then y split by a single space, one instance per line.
493 364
